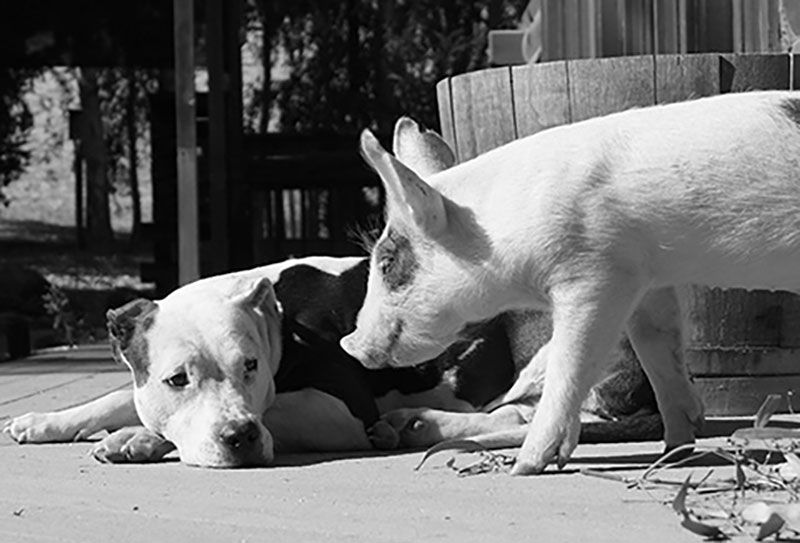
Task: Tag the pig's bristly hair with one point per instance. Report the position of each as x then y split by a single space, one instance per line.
366 235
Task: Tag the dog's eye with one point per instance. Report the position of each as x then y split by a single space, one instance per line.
251 364
179 380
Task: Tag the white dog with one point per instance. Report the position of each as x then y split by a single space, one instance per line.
598 221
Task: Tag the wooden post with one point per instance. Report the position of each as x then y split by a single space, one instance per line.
217 138
75 123
80 223
186 139
239 195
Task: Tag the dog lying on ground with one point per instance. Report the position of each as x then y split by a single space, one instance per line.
204 371
597 221
231 368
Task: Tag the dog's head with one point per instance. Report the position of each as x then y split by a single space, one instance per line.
203 361
420 279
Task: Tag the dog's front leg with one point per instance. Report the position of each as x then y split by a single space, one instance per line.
111 412
655 333
588 317
132 445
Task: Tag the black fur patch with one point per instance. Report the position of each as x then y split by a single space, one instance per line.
396 260
127 327
791 108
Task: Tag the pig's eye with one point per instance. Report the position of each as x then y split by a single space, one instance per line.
385 264
178 380
251 364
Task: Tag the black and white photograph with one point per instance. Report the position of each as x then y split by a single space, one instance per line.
399 271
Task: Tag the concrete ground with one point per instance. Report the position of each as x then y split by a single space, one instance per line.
59 493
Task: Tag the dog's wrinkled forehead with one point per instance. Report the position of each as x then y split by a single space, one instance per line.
127 328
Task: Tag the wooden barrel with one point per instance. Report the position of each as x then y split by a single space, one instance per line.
741 345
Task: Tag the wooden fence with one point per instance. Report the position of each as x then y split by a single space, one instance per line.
603 28
310 195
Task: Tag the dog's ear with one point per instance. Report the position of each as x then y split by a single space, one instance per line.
123 320
260 295
424 151
407 195
126 326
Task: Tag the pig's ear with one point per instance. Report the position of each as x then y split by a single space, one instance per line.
424 151
407 194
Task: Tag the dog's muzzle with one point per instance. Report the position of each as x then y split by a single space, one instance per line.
243 442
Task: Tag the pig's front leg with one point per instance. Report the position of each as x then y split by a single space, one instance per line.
588 317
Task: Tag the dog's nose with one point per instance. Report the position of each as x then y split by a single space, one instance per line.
237 435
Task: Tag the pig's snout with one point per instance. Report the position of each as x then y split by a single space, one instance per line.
357 348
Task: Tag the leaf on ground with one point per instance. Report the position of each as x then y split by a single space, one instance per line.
604 475
756 513
772 526
718 514
766 439
794 462
767 409
705 530
790 513
457 445
762 513
787 472
679 503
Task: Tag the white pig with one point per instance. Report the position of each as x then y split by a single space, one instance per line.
597 221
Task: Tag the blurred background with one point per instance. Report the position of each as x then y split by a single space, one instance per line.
147 143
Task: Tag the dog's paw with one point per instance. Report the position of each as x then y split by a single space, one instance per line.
383 436
42 428
546 443
132 445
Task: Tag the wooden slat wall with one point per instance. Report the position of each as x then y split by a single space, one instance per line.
540 97
683 77
443 97
575 29
738 341
601 86
482 98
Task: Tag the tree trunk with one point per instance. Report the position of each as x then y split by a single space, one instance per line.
268 24
383 85
133 163
98 217
354 65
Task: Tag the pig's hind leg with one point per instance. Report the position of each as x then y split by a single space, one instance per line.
654 330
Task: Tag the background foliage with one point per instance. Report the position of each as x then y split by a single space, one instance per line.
15 122
365 62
